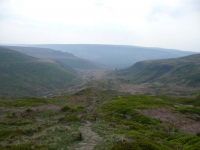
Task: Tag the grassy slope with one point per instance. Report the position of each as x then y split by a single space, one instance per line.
52 123
22 75
184 70
116 56
63 58
40 124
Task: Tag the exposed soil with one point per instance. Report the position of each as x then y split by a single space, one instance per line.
90 138
179 120
154 89
49 107
2 117
35 108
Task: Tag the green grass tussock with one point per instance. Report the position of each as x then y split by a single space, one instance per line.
142 145
69 118
25 146
121 117
22 102
186 110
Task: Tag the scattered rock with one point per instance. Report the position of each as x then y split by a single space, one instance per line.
197 119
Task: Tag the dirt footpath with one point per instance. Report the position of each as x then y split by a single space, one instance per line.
90 138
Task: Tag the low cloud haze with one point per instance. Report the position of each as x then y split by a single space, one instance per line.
152 23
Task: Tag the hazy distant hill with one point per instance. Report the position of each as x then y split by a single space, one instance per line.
181 71
65 59
23 75
116 55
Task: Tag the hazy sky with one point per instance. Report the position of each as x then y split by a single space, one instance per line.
151 23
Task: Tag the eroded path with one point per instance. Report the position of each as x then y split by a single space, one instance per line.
90 138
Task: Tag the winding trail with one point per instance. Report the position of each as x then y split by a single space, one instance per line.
90 138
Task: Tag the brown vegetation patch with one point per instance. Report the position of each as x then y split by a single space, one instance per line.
179 120
2 117
49 107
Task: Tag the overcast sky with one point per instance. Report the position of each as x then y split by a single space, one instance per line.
151 23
